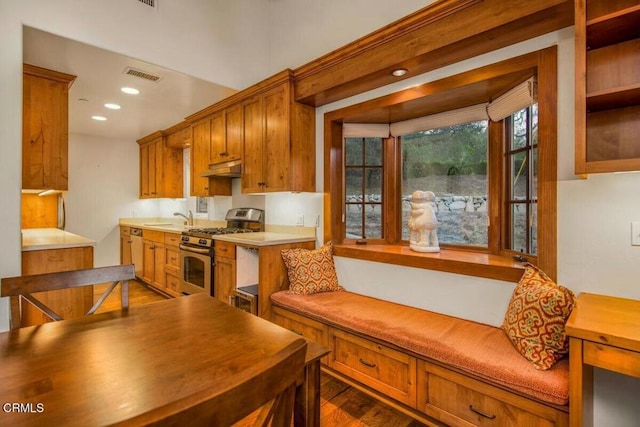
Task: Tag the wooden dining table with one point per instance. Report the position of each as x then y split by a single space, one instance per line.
132 366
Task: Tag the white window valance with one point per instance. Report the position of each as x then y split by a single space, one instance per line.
470 114
521 96
365 130
517 98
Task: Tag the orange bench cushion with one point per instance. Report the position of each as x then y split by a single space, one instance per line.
481 350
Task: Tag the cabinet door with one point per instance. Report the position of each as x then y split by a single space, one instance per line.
158 266
252 158
45 121
144 171
234 132
218 138
153 164
125 250
148 261
277 142
224 278
200 155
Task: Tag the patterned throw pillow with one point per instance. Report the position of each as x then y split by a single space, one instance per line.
535 318
311 271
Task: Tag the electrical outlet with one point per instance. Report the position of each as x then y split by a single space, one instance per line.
635 233
300 220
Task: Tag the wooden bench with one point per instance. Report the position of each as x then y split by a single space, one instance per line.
439 369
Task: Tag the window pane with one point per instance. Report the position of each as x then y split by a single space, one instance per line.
353 151
373 221
353 185
452 163
534 173
519 227
373 185
354 222
373 151
519 130
534 124
519 173
533 240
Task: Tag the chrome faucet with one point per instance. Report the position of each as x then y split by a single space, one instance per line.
188 218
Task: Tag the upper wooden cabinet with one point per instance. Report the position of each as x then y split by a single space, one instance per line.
160 168
45 128
279 153
279 145
201 135
607 86
226 135
273 135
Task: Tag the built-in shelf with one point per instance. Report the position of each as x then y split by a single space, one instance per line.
617 97
616 27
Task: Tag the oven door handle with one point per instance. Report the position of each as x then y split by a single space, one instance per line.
195 250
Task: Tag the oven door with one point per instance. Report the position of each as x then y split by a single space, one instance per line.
197 272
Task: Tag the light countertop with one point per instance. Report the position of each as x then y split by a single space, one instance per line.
274 234
37 239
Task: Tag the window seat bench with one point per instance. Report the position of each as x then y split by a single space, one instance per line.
454 371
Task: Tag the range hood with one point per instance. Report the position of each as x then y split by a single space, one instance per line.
231 169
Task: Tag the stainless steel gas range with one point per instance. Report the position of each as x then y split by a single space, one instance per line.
196 248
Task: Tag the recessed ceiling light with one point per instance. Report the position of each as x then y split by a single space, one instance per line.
130 90
399 72
112 106
99 118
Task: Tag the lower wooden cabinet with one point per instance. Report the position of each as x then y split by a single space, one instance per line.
382 368
69 303
224 270
458 400
308 328
125 245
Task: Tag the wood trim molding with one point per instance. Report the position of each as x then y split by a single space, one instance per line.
57 76
256 89
453 31
400 28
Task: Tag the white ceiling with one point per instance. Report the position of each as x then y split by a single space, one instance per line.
100 75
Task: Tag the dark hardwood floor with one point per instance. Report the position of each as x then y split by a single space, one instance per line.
340 404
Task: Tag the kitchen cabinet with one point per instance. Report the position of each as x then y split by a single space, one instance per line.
607 53
125 245
153 258
178 136
224 274
172 264
279 141
160 168
69 303
226 135
201 134
45 128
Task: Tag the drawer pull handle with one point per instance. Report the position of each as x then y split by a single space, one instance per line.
365 363
482 414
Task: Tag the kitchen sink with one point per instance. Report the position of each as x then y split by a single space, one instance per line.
161 224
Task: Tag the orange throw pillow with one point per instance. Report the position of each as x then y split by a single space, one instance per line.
535 318
311 271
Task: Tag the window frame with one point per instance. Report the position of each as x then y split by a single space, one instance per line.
494 262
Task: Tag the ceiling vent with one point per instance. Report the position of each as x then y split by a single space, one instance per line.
151 3
141 74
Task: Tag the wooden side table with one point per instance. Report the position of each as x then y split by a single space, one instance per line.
603 332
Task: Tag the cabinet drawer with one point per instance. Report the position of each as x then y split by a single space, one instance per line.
172 282
308 328
382 368
125 230
154 236
612 358
224 249
172 239
457 400
173 257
